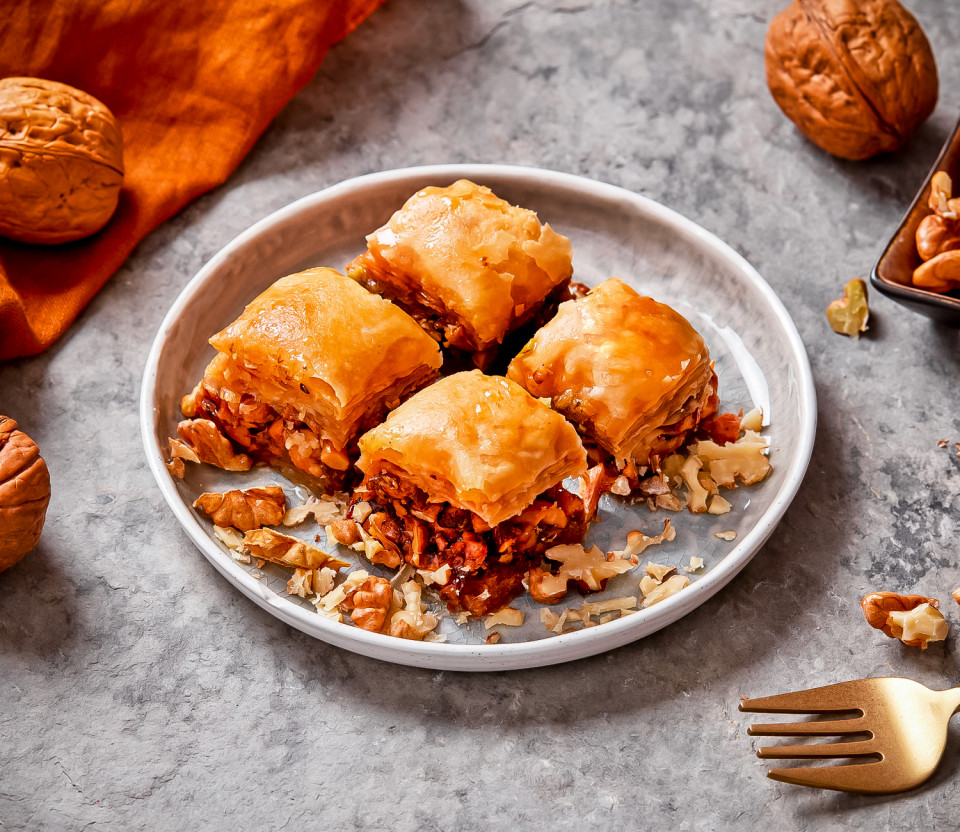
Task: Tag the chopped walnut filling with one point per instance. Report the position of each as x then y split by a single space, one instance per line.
271 436
486 564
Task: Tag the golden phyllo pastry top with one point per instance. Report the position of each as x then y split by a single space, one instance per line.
478 442
470 256
620 365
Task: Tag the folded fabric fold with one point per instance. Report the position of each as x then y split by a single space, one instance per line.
193 84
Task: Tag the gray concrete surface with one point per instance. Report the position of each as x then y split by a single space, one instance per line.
138 690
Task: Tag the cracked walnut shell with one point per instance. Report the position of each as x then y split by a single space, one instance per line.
857 78
24 493
61 162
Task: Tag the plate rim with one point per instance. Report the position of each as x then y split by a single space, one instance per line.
486 657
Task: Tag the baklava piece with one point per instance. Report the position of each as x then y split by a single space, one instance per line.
470 267
311 364
632 374
463 482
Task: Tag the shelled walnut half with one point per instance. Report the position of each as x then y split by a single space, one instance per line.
938 238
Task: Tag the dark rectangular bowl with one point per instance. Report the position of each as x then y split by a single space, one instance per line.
893 273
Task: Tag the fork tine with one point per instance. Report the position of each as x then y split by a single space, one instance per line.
828 749
840 697
820 728
869 778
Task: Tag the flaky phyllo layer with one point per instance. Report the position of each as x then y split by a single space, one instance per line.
310 364
632 374
478 442
467 264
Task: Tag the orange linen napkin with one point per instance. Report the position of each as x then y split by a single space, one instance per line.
193 84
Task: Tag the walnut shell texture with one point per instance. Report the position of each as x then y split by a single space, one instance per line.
61 162
24 493
856 76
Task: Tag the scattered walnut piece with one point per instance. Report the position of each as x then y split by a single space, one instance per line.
697 494
230 538
369 603
288 551
553 622
718 505
244 510
648 584
753 420
412 622
695 564
211 446
544 587
943 443
505 615
176 468
437 577
493 638
914 619
604 611
323 580
301 583
591 567
669 587
658 572
956 595
323 511
744 459
637 541
345 532
726 535
180 450
849 314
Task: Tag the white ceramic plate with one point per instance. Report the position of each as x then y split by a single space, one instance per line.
759 356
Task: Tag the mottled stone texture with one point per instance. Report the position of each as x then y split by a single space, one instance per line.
138 690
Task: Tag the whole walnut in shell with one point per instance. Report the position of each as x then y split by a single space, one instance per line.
856 76
24 493
61 162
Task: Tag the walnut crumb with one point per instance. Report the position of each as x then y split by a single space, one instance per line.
505 615
726 535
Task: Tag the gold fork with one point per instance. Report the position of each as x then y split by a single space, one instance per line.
904 722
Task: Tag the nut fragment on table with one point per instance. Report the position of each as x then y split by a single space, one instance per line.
914 619
244 510
849 314
857 78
